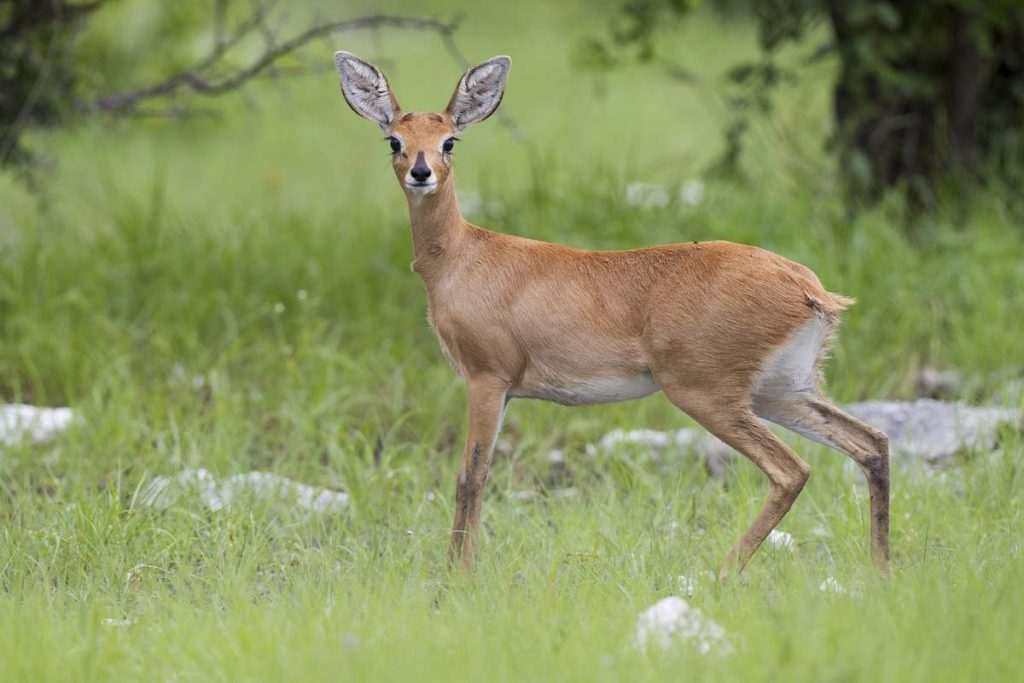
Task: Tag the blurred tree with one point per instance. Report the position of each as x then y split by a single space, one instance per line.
43 80
36 70
929 94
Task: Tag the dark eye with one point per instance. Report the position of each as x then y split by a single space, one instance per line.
396 145
448 146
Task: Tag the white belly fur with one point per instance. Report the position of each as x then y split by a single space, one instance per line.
591 390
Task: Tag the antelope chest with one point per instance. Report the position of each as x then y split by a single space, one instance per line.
444 343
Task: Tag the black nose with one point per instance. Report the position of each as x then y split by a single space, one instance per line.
420 171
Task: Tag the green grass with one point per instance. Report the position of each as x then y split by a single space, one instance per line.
155 288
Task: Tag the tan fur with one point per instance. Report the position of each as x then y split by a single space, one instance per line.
699 320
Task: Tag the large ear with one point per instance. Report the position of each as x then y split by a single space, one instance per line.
479 92
366 89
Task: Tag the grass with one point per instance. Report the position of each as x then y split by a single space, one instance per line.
235 295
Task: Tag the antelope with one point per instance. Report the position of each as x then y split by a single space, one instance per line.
731 334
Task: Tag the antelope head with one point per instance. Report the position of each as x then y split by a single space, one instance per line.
421 143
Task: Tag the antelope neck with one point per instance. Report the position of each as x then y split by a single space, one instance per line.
437 227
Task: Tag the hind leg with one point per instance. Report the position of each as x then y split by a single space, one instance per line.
731 420
810 415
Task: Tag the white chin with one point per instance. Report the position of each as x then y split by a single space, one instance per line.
421 189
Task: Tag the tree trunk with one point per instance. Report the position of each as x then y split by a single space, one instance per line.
965 75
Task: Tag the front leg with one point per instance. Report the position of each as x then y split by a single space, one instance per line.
486 398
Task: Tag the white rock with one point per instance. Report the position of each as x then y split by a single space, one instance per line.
935 431
831 585
820 531
780 540
687 584
273 486
647 195
715 454
926 430
470 203
1011 394
643 437
935 383
20 422
163 492
672 621
692 192
655 195
556 457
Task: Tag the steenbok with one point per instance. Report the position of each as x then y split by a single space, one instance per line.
730 333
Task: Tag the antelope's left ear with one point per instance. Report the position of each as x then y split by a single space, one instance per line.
479 92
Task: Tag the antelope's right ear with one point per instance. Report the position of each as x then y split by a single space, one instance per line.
366 89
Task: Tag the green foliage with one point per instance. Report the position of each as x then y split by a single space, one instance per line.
925 94
37 69
129 45
235 294
927 97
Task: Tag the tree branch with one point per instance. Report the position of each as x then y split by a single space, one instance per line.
201 77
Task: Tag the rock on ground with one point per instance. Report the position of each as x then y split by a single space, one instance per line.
714 453
831 585
935 431
163 492
780 540
656 195
935 383
672 621
688 584
20 422
925 430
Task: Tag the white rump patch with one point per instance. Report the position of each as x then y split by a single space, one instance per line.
792 368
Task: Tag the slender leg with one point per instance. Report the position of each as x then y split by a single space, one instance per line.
486 396
732 421
814 417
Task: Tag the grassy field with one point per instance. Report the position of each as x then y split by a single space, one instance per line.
235 295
